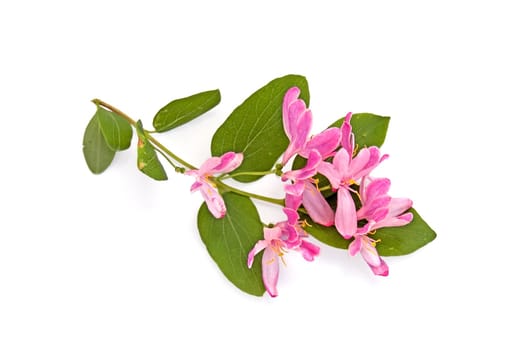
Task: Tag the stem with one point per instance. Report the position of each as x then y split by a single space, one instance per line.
150 137
254 173
224 186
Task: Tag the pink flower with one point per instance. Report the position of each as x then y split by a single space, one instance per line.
214 165
297 122
303 191
285 235
345 171
380 210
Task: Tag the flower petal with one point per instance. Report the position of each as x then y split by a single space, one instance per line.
355 246
291 95
345 218
214 201
300 133
228 162
272 233
259 246
380 270
316 205
347 135
325 143
331 173
270 269
309 250
398 206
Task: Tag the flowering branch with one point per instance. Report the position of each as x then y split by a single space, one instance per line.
329 188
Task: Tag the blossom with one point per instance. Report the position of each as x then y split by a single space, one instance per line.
346 170
297 122
380 210
214 165
284 236
303 191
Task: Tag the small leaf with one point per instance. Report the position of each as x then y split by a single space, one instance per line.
229 240
97 154
185 109
147 160
255 127
117 131
368 129
404 239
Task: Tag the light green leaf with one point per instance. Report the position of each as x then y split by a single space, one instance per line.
255 127
185 109
404 239
117 131
230 239
392 240
97 154
147 160
368 129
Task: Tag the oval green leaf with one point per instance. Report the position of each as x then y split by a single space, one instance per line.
393 241
368 129
117 131
183 110
255 127
404 239
147 160
97 154
228 240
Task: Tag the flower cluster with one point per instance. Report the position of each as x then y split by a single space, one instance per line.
363 204
331 153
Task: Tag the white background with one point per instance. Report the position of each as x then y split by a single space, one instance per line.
115 261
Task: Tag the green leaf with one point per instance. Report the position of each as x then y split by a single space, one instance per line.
392 240
255 127
185 109
117 131
229 240
369 129
147 160
97 154
404 239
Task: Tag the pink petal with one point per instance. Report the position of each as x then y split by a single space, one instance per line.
291 95
331 173
355 246
272 233
292 201
380 270
341 163
228 162
398 206
325 143
292 216
259 246
345 218
208 166
347 135
369 253
214 201
401 220
306 172
270 269
196 185
309 250
316 205
376 188
299 134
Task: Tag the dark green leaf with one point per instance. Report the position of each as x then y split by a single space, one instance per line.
369 129
255 127
117 131
147 160
97 154
229 240
185 109
404 239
